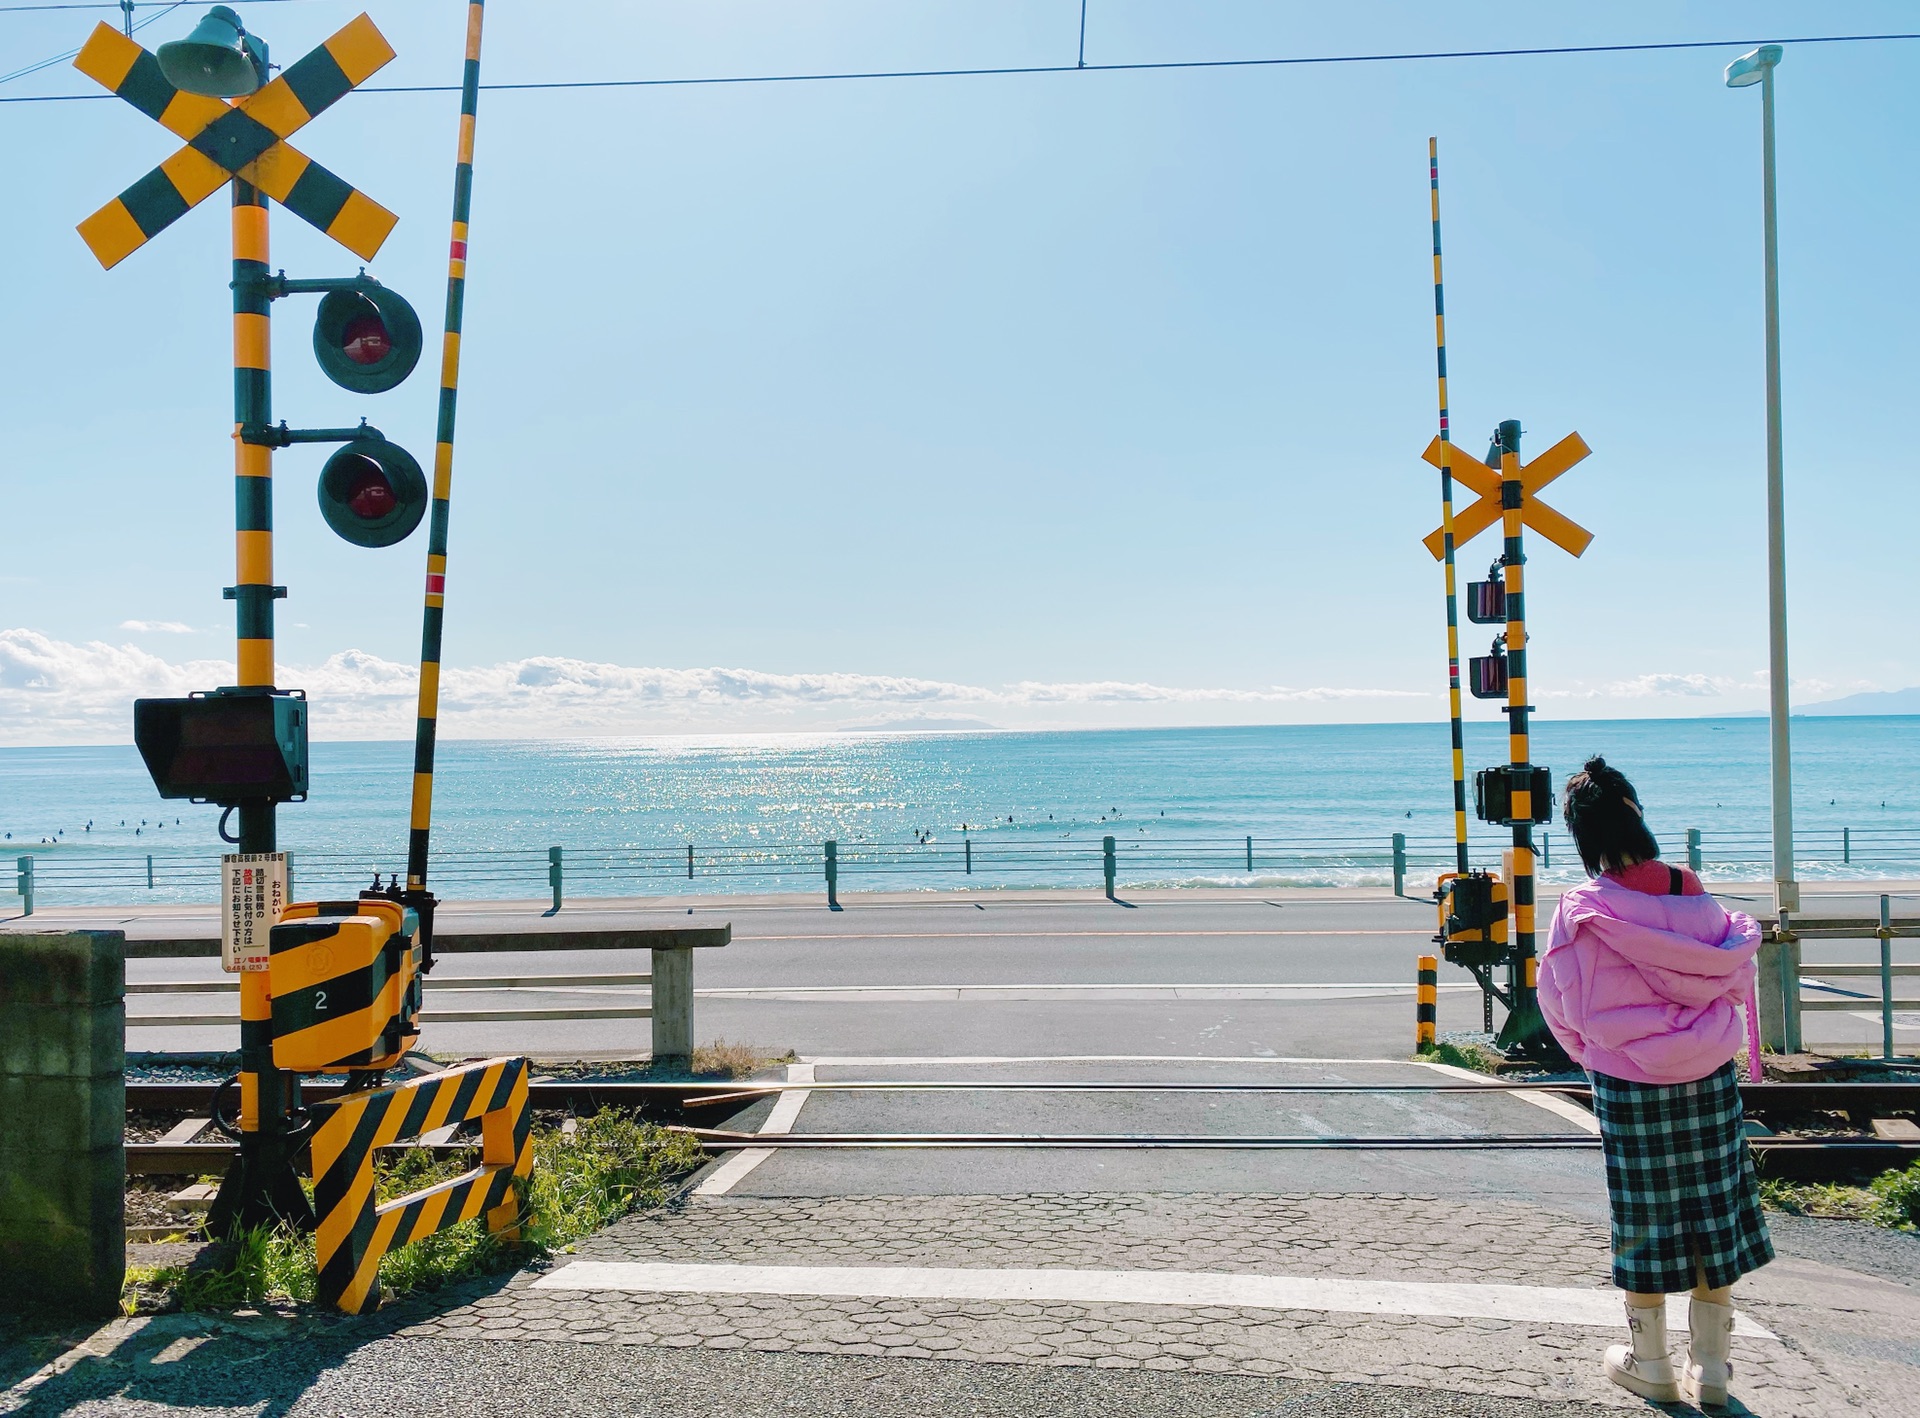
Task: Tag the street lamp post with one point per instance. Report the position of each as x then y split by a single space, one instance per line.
1757 68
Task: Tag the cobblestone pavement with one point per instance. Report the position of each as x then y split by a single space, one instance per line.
1403 1238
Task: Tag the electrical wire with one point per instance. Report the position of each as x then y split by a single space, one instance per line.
61 58
114 5
1026 69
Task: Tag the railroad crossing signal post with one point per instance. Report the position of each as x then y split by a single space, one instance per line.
245 746
1473 907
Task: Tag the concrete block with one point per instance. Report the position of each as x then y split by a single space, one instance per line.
1779 965
73 1115
67 969
62 1112
19 1039
672 1006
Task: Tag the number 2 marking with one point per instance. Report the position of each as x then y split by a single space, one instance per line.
319 1000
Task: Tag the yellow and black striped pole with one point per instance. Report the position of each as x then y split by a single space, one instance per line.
427 720
1426 1009
261 1186
1446 529
1523 1020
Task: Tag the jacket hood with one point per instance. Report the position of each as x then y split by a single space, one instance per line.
1688 949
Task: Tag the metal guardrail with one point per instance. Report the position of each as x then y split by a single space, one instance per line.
1113 861
668 984
596 986
1884 929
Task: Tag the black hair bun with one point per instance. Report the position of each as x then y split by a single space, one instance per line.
1595 766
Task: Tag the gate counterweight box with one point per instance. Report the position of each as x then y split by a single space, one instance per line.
345 978
1473 918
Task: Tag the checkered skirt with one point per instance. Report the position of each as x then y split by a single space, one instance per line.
1680 1183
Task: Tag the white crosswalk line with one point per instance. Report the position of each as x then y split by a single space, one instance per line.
1532 1304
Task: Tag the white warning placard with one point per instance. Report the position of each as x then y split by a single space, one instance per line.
253 893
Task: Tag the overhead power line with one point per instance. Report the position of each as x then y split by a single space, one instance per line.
1141 67
167 7
115 5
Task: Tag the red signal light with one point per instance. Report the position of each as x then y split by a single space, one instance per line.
369 494
372 492
366 340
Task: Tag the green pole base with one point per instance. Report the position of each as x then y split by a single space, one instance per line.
1525 1036
260 1189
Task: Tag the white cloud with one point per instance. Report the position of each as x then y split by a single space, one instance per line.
1661 686
1683 686
157 627
54 691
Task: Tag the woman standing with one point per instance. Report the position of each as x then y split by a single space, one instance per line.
1642 982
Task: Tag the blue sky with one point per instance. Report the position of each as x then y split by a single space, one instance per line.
1057 399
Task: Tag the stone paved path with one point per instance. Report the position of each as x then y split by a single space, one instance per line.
1844 1318
1404 1238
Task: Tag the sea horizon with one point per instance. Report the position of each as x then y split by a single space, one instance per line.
906 729
1320 801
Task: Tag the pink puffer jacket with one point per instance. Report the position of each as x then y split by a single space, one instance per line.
1647 988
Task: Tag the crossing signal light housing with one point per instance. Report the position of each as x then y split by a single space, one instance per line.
373 493
1487 604
1487 675
1493 794
227 747
367 339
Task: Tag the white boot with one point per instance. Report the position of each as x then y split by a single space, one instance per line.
1708 1368
1642 1367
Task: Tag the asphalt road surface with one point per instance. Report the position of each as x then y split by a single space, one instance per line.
1285 974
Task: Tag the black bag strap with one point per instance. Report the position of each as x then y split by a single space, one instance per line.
1676 883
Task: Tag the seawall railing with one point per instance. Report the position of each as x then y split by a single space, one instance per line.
77 874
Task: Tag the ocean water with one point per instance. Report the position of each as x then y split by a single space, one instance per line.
1321 803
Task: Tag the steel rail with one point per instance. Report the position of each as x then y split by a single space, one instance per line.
197 1158
1871 1097
720 1140
1009 1086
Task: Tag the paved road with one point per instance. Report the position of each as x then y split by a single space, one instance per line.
869 978
1330 972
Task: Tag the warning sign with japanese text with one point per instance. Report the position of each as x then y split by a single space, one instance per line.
253 893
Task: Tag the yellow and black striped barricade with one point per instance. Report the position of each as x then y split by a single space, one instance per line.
354 1232
345 980
1426 1009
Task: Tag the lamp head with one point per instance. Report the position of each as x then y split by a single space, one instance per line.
1753 67
218 60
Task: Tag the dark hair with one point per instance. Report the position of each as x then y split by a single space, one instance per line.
1603 814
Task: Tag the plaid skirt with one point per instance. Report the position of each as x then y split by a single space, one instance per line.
1680 1183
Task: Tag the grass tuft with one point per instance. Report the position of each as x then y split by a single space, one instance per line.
1477 1057
1891 1199
724 1058
611 1164
1896 1198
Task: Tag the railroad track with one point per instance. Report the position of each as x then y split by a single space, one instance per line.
1827 1156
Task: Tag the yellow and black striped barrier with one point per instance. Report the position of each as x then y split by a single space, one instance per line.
433 612
354 1231
1446 528
1426 1011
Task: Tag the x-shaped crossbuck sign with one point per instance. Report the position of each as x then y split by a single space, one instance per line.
1563 532
244 139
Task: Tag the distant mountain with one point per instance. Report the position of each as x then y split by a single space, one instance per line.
1886 701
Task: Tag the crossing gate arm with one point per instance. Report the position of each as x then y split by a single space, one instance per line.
354 1230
